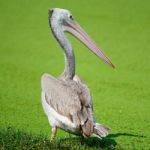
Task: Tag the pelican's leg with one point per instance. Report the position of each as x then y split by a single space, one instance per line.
53 132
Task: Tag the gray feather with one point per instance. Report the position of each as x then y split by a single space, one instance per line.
70 98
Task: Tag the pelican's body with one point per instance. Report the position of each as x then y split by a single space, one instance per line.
66 100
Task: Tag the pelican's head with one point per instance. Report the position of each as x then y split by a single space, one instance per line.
65 20
62 16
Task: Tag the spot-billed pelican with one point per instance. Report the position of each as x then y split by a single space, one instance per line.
67 100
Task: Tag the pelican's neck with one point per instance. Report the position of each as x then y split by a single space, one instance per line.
58 33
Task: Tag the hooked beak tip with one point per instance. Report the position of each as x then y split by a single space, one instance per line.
113 66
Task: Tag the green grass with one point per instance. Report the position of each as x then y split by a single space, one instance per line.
28 49
17 139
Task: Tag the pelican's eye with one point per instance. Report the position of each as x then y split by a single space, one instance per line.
71 17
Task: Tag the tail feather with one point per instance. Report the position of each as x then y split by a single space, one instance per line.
100 130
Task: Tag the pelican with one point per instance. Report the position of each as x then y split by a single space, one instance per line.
66 100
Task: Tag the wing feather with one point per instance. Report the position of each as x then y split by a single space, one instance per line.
62 98
70 98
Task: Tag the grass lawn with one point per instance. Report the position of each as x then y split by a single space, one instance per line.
121 97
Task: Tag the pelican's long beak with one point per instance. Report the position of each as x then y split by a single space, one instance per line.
75 29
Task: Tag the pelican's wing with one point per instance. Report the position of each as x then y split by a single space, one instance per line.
71 99
86 100
61 97
90 126
85 95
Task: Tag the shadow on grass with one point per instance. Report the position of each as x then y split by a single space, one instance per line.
11 138
124 134
94 142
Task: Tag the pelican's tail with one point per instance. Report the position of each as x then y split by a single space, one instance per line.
100 130
97 129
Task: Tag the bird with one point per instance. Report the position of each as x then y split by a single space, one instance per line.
66 99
